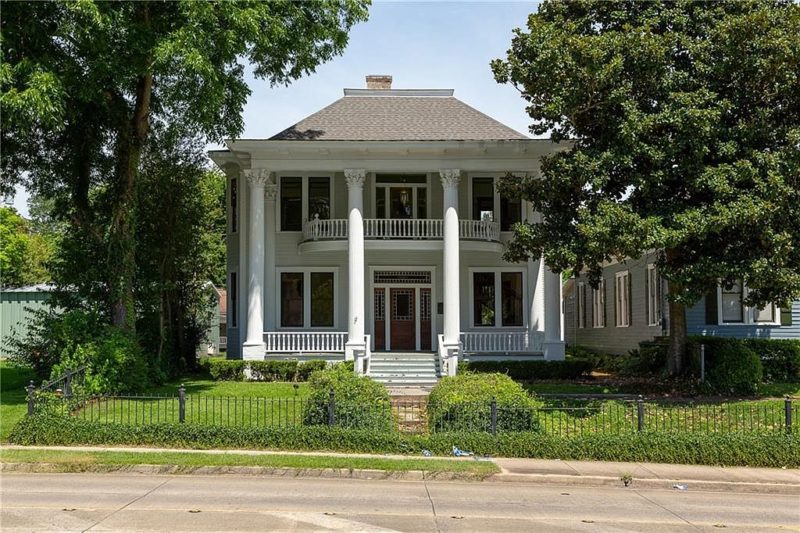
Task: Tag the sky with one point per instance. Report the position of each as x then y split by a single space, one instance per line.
422 45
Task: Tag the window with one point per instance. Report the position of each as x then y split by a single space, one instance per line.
727 307
511 298
234 307
498 290
483 298
291 204
482 198
599 305
581 305
622 299
510 212
653 296
732 307
308 298
292 300
401 196
765 314
234 205
319 198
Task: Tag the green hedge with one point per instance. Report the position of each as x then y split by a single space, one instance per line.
463 403
531 370
738 449
780 358
281 370
731 367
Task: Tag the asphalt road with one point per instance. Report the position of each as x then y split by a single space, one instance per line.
113 502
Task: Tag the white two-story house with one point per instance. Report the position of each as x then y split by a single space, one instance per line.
374 225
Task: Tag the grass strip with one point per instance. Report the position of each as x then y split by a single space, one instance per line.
122 458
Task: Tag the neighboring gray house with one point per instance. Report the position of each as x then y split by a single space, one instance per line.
630 307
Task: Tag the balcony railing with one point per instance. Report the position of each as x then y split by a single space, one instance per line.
487 342
395 228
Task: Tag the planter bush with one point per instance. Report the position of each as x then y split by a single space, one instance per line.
780 358
731 367
278 370
463 403
531 370
359 402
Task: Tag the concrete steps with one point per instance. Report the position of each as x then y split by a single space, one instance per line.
413 369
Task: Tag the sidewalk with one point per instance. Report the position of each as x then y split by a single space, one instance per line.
550 472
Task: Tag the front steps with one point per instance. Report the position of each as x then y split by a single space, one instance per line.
407 369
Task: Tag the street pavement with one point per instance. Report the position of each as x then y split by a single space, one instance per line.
129 502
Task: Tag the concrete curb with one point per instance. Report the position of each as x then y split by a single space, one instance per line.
637 483
154 470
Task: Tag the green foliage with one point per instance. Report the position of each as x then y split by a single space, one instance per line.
731 367
531 370
683 121
463 402
24 253
238 370
734 449
603 362
114 363
780 358
359 402
52 336
648 360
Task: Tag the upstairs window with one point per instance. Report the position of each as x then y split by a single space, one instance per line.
319 198
510 212
291 204
483 199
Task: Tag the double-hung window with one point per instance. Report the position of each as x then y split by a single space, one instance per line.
622 299
307 298
727 307
487 204
599 305
653 296
732 304
291 203
493 291
304 198
581 305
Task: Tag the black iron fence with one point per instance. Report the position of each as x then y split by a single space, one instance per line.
555 415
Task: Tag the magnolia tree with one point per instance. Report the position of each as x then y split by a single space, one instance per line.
683 126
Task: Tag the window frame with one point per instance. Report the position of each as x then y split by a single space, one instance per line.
496 214
599 305
622 305
748 312
306 271
304 196
498 298
653 296
581 305
374 186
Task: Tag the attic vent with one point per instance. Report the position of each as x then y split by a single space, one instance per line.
379 82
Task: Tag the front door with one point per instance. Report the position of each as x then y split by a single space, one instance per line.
402 325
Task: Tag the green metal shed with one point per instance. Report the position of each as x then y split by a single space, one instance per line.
17 306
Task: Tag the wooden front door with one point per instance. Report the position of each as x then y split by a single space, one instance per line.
402 325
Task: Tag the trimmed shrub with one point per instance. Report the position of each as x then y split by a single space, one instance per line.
780 358
531 370
733 449
731 367
277 370
463 403
359 402
650 358
226 369
114 363
604 362
306 368
272 370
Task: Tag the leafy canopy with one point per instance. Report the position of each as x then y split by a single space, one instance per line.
683 126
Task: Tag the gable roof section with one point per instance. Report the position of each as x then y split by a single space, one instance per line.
398 115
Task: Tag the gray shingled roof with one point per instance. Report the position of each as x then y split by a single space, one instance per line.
398 117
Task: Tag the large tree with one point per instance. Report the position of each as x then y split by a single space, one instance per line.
684 124
84 82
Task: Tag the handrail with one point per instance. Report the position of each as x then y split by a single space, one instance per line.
501 341
304 342
400 228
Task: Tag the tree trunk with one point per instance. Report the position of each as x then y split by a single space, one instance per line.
676 352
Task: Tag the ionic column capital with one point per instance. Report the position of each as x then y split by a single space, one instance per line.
450 177
271 192
355 177
257 177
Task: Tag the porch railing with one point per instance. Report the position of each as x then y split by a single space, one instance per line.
397 228
500 342
304 342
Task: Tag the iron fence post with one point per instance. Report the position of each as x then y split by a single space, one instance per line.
182 404
31 402
494 416
787 405
640 414
331 408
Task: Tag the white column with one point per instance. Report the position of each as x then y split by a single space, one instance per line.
553 316
536 271
254 347
271 191
452 306
355 260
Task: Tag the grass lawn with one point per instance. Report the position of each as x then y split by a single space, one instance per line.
13 403
77 460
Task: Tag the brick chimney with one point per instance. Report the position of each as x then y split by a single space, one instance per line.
380 82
